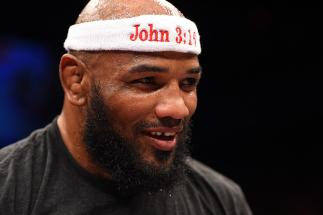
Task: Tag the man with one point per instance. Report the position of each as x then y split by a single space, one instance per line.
120 144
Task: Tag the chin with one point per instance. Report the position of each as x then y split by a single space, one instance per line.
158 158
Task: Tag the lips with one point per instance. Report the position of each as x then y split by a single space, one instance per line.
162 135
163 139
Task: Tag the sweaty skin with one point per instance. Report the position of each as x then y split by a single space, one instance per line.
116 9
172 94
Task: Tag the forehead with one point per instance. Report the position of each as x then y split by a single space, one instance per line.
118 62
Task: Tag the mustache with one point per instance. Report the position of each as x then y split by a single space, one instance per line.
163 122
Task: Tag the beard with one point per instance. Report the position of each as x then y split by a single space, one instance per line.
121 158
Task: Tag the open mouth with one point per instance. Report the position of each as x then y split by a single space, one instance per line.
166 136
165 141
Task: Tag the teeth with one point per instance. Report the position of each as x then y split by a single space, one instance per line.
167 134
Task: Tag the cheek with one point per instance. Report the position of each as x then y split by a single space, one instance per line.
191 102
127 109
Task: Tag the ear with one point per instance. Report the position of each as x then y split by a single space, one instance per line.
72 75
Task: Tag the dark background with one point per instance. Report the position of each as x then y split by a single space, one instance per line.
260 112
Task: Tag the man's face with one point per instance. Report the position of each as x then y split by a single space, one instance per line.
142 103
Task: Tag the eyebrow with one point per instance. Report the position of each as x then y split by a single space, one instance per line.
147 68
195 70
151 68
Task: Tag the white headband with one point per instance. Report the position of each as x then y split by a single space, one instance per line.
146 33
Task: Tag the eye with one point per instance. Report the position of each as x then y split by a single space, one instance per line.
145 84
189 84
146 80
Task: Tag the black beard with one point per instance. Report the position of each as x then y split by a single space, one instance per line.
130 173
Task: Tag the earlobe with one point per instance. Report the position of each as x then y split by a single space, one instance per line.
72 76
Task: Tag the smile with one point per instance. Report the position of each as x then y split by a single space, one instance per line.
163 139
163 135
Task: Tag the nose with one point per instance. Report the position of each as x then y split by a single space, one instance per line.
172 104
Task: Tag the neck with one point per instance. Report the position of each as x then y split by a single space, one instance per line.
71 123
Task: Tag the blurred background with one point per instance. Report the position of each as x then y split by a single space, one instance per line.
260 111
